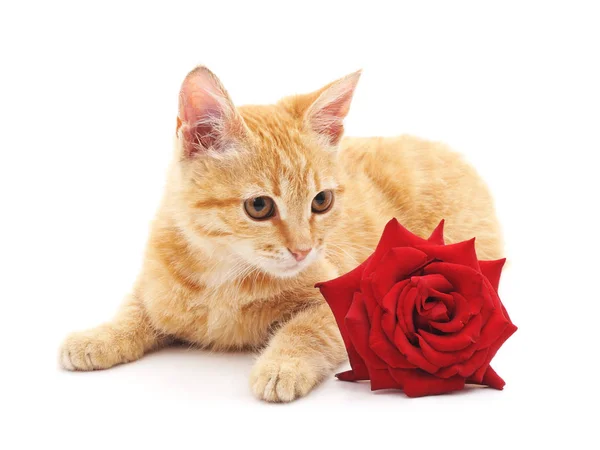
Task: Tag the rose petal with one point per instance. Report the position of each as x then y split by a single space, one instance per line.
461 316
487 310
366 287
405 309
338 294
425 305
390 301
498 320
357 324
493 329
389 320
418 384
443 359
491 301
433 282
492 379
447 372
465 369
494 347
413 354
492 271
469 283
465 280
382 379
427 285
350 375
468 368
441 296
398 375
435 313
505 311
495 299
462 253
358 365
437 236
447 299
382 346
347 284
394 235
454 341
439 312
396 265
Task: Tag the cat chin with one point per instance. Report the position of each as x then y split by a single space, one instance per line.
280 271
290 273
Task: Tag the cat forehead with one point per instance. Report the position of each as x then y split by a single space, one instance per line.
271 117
276 131
286 187
285 162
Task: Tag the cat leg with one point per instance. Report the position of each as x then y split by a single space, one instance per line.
126 338
301 354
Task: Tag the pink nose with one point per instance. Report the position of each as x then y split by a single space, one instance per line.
299 255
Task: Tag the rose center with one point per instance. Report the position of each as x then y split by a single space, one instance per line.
429 300
432 310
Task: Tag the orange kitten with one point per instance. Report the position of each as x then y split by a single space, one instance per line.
261 203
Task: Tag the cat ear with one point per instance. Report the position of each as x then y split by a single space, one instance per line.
207 121
326 114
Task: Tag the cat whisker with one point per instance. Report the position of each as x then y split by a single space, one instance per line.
336 250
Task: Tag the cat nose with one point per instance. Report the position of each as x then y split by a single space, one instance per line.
299 255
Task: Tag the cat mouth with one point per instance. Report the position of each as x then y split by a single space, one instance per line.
286 268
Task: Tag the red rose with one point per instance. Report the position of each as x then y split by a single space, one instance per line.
420 315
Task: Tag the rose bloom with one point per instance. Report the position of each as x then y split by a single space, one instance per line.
420 316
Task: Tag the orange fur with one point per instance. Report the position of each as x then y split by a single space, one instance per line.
215 278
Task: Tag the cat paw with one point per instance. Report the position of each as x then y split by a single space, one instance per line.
282 379
90 350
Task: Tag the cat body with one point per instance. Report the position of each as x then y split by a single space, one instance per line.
261 203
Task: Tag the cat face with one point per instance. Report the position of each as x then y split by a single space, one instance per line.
261 182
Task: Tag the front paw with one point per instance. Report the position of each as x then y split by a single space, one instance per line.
91 350
282 379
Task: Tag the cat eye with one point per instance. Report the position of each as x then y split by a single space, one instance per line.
260 208
322 202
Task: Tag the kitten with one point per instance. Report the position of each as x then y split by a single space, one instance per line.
261 203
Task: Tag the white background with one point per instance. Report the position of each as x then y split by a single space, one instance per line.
88 98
